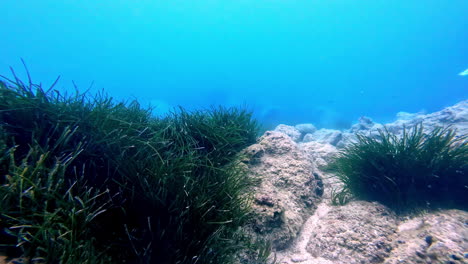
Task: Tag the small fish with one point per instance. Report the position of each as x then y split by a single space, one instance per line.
464 73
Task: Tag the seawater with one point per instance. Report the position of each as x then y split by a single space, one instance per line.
325 62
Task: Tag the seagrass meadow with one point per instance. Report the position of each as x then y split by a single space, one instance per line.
86 179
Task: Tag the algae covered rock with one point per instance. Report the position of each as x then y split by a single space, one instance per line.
287 191
290 131
319 153
324 136
359 232
306 128
364 232
436 237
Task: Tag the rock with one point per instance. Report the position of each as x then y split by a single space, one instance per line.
306 128
324 136
298 258
407 116
364 124
436 237
319 153
287 193
455 116
359 232
346 139
290 131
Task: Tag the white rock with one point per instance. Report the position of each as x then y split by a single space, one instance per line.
441 236
290 131
359 232
364 124
324 136
288 190
319 153
306 128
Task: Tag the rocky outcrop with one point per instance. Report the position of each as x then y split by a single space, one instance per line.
437 237
305 128
297 132
290 131
455 116
288 188
364 124
324 136
294 211
320 154
365 232
359 232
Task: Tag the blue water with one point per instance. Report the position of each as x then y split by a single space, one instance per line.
321 61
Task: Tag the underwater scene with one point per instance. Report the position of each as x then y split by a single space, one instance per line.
237 132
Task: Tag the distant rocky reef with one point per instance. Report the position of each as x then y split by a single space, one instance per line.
455 116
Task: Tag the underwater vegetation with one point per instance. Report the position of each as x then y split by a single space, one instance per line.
85 179
407 172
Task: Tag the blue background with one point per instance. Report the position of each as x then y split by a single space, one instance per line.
321 61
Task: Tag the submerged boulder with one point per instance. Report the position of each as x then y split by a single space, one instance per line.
324 136
365 232
287 192
319 153
364 124
306 128
436 237
359 232
290 131
455 116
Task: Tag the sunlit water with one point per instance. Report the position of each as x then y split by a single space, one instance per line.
320 61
